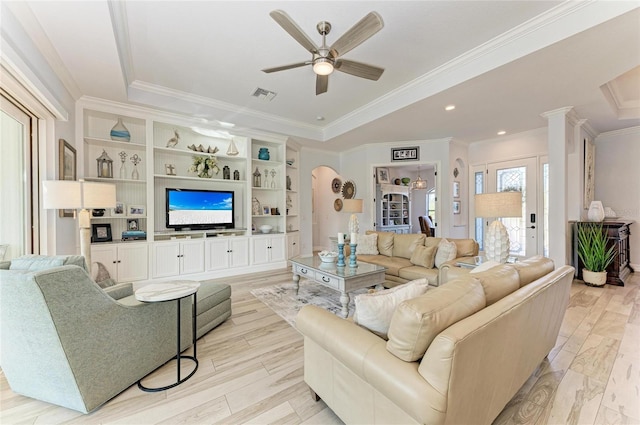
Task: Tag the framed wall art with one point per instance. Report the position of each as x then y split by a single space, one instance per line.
138 210
456 189
382 175
589 173
67 168
101 232
456 207
405 154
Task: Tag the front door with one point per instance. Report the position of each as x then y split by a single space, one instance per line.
520 175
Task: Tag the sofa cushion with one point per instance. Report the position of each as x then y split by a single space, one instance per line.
405 245
416 322
485 266
423 256
465 247
374 311
368 244
446 252
498 282
419 272
34 263
385 242
393 264
533 268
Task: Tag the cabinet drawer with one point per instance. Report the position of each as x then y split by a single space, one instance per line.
303 271
327 280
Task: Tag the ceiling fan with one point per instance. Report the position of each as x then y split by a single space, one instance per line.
327 58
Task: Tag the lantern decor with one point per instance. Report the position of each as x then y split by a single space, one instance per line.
257 178
105 165
136 160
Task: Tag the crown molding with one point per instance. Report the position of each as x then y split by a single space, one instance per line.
607 136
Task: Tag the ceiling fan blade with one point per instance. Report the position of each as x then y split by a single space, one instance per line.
359 69
294 30
368 26
284 67
322 84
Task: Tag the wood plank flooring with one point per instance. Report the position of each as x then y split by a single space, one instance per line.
251 371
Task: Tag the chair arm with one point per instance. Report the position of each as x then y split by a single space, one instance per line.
120 290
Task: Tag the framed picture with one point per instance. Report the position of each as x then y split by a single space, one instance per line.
589 173
136 210
456 207
67 168
456 189
133 224
266 210
101 232
119 210
382 175
405 154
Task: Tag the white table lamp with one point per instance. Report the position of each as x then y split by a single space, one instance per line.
82 195
498 205
353 206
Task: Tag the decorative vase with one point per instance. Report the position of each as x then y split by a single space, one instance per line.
120 133
134 174
597 279
596 211
263 154
233 149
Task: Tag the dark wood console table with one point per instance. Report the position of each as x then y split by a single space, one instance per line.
618 233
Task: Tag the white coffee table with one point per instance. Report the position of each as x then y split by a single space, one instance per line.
172 291
344 279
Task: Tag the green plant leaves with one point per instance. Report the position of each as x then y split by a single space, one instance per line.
592 247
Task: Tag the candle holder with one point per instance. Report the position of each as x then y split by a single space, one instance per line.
352 256
341 262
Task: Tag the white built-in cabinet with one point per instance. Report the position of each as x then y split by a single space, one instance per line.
227 253
141 189
268 248
125 262
177 258
393 208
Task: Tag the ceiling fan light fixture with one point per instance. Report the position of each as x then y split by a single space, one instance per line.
323 66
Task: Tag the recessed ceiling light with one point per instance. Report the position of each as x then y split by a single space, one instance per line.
320 118
450 107
501 133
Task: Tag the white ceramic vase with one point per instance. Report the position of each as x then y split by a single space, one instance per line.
596 211
496 243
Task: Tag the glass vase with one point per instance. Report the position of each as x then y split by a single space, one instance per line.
119 132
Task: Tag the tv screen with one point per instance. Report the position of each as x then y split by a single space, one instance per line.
200 209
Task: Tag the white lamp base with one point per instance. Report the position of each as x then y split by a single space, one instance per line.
354 226
496 243
84 222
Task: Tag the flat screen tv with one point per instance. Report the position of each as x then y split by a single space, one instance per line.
200 209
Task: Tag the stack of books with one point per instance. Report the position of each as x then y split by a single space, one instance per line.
134 235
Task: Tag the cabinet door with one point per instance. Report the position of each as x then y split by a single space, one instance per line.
293 245
278 248
217 252
239 248
166 259
192 257
260 250
107 255
132 262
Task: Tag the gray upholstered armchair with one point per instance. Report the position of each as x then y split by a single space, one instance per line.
66 341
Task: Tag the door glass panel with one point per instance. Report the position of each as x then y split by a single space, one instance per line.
514 179
545 213
479 221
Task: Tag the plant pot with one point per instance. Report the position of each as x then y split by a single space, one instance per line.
594 278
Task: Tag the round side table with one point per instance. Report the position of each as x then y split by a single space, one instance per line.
172 291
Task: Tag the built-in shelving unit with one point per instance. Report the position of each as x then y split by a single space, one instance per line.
393 208
164 147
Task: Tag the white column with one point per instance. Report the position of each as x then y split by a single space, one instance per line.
560 137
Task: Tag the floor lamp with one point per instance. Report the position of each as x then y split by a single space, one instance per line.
82 195
498 205
353 206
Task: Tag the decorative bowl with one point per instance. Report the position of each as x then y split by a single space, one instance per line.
328 256
265 228
405 181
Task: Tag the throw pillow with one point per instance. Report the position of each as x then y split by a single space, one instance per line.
447 251
368 244
374 311
416 322
424 256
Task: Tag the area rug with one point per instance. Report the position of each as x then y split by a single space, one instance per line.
283 300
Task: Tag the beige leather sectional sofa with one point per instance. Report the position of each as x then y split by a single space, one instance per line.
455 355
396 251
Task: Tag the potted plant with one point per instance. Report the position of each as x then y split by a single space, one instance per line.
593 251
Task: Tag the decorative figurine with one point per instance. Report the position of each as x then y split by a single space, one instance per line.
257 178
236 175
232 150
256 209
266 178
226 172
174 140
273 178
288 182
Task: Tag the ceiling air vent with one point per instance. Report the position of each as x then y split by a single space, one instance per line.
264 94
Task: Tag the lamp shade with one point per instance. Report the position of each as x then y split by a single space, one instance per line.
70 194
352 206
501 204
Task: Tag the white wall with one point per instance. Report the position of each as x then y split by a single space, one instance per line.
617 182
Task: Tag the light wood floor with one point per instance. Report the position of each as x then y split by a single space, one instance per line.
251 371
